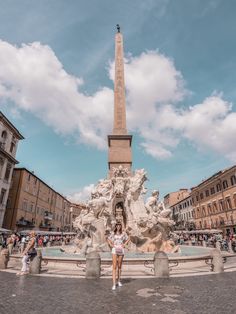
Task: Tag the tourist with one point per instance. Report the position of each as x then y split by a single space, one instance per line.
193 239
22 244
117 240
10 243
28 253
233 243
40 241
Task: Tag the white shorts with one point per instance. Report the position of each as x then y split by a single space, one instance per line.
113 251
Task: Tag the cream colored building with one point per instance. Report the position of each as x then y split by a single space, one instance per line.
183 213
214 201
173 198
9 137
34 204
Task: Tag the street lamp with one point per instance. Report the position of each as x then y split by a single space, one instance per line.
71 212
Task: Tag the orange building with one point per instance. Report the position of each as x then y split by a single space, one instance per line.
34 204
214 201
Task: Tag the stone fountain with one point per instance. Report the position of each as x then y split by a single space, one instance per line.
120 198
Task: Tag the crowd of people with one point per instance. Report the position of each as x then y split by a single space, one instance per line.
208 240
17 242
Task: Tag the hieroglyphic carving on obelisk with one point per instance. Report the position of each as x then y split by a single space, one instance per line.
119 142
119 87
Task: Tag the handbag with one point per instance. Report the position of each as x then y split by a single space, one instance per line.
32 252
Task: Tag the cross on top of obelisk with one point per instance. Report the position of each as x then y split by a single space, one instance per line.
118 28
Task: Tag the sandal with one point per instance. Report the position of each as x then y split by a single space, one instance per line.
22 273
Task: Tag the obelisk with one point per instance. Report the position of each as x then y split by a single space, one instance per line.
119 142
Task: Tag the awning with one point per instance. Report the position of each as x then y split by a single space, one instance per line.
2 230
40 232
203 231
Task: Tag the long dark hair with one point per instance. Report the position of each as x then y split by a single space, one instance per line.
118 224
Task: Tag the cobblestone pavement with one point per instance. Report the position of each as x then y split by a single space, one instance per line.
35 294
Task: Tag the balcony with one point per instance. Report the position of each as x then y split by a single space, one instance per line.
48 216
25 223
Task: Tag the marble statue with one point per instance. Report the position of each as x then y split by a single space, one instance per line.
120 198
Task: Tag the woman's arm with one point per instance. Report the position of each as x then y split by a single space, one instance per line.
29 246
127 241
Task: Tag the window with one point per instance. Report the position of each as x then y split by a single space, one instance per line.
222 221
207 193
225 184
2 196
218 187
233 180
12 148
228 203
203 211
215 208
201 196
1 164
29 177
24 204
8 171
213 190
4 135
197 198
221 204
209 209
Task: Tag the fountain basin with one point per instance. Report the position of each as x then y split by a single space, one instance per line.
187 252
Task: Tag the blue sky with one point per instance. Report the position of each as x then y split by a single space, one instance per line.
56 61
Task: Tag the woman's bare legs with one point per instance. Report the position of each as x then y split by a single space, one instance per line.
114 266
120 260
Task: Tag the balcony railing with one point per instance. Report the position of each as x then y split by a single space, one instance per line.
25 223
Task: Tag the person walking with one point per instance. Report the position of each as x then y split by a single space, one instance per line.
117 240
28 252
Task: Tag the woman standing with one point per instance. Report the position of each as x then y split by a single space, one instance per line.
29 252
117 240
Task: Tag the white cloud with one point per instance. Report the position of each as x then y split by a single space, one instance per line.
82 195
34 79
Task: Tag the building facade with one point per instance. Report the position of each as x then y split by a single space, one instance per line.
214 201
32 204
9 137
183 214
173 198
